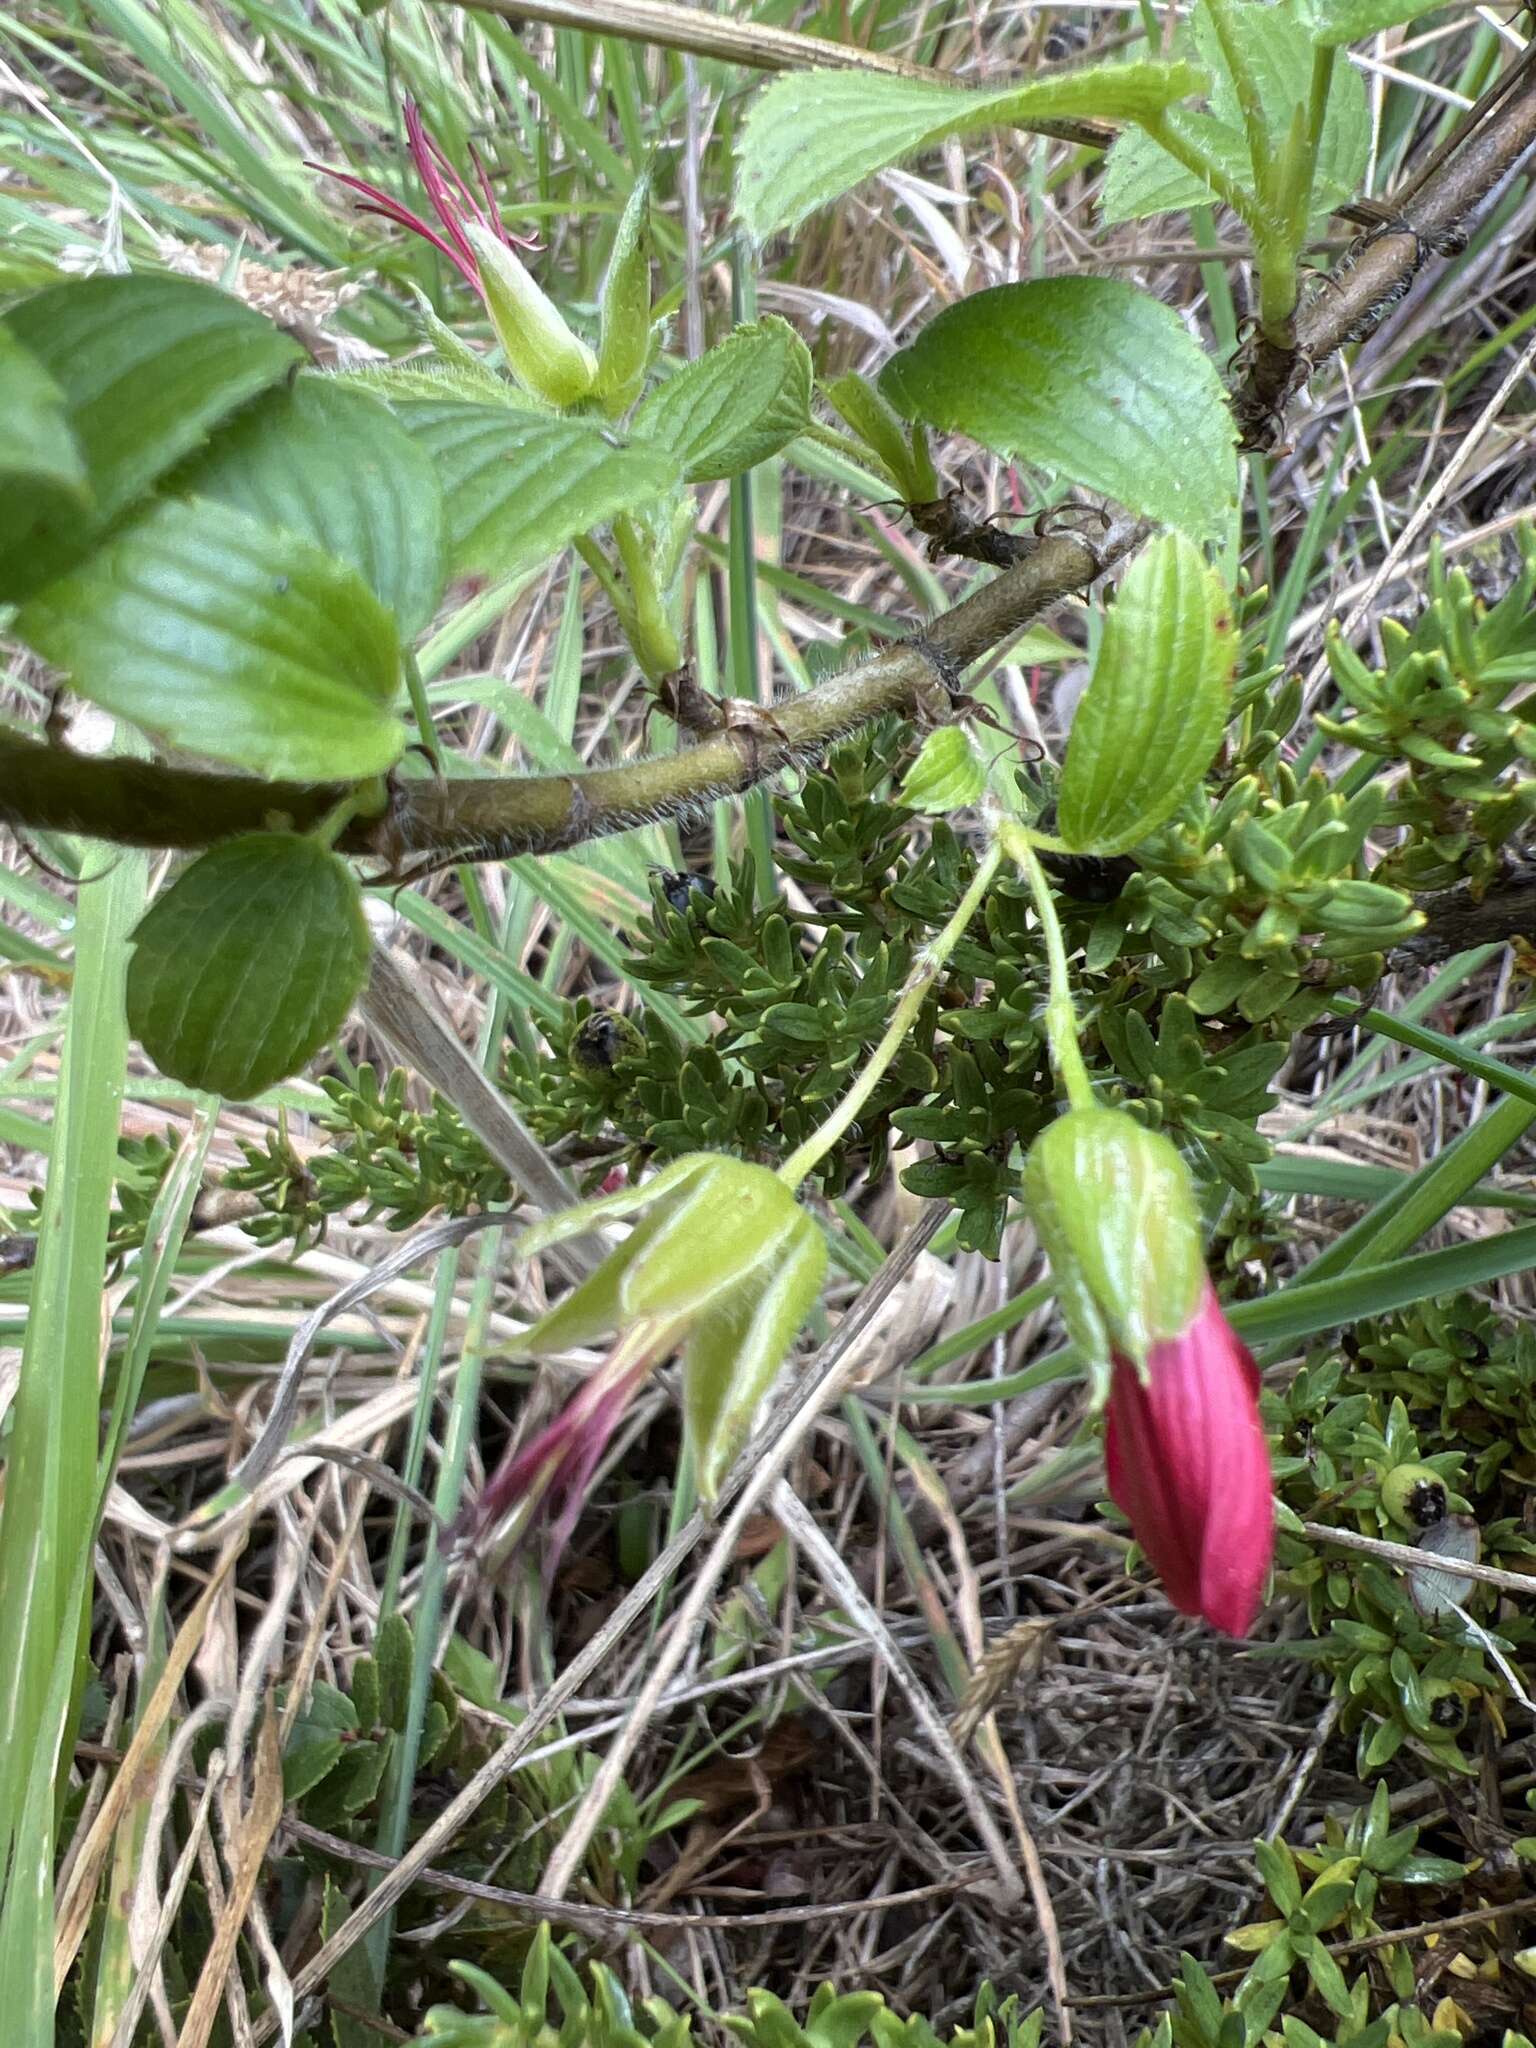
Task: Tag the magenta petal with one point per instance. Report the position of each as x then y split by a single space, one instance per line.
1189 1465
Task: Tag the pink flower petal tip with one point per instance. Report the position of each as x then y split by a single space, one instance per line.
1189 1465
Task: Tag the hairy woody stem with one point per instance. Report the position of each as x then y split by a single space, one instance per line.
431 821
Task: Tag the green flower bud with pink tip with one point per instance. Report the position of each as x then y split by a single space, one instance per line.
722 1265
1184 1447
542 353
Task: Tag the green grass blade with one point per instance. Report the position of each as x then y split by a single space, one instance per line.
48 1523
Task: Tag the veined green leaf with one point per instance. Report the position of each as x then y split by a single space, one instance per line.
739 403
1088 378
43 480
248 963
948 774
1331 22
813 135
326 461
229 638
1140 176
1151 718
146 366
519 485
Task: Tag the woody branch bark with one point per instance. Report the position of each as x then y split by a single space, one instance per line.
429 822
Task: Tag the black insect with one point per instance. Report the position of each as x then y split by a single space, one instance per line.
1090 877
601 1040
682 889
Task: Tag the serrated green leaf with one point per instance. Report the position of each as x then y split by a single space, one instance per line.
739 403
520 485
248 963
325 460
43 480
812 135
1140 176
1152 716
1088 378
947 775
231 639
1332 22
146 366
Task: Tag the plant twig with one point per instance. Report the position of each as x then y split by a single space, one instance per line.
1409 1559
430 822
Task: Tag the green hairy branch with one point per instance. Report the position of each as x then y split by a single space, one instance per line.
429 822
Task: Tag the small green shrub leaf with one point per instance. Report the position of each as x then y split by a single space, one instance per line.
1140 176
43 481
146 366
326 461
1088 378
1151 718
520 485
741 402
248 963
813 135
226 637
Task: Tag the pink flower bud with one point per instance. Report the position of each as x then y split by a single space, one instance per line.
1189 1465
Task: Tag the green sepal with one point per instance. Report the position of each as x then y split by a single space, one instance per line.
624 328
545 356
1115 1209
735 1350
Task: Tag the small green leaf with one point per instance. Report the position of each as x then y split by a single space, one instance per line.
226 637
146 365
43 481
324 1725
948 774
1255 1937
520 485
742 401
394 1649
1152 716
248 963
1141 178
1090 379
1328 1979
812 135
326 461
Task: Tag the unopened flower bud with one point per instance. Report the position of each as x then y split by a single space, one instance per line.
543 354
1184 1447
722 1264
